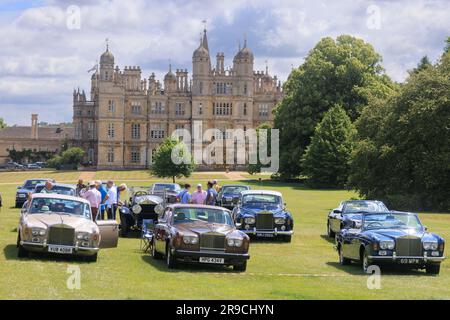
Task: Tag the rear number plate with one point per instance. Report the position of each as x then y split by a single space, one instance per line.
265 235
409 261
212 260
58 249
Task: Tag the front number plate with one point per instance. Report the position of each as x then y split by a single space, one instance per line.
265 235
58 249
212 260
409 261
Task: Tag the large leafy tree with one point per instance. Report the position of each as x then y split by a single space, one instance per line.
346 72
253 168
326 160
403 155
68 159
164 165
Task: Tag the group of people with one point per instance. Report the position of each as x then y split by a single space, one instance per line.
200 196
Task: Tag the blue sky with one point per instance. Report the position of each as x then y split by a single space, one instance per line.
42 59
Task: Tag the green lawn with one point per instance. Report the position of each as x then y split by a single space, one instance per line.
307 268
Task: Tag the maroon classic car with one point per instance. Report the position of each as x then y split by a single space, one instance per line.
199 234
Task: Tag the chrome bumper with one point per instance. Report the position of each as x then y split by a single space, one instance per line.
397 258
43 247
274 232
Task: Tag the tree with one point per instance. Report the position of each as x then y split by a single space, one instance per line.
68 159
405 161
256 167
164 165
423 64
346 72
326 160
2 123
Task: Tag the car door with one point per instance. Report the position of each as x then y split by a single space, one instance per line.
161 230
109 233
353 243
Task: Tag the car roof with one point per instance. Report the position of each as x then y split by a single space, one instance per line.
71 186
195 206
387 212
43 179
269 192
57 196
235 185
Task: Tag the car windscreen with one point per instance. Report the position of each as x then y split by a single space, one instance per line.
233 189
162 187
206 215
52 205
30 184
364 206
67 191
391 221
261 199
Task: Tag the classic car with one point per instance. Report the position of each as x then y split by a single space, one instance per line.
141 206
351 210
390 238
63 224
199 234
23 190
58 188
262 213
228 196
167 191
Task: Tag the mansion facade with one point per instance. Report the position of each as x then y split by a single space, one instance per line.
128 116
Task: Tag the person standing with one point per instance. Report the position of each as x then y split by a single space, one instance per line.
120 190
94 197
198 196
102 206
216 185
111 200
211 194
80 187
184 196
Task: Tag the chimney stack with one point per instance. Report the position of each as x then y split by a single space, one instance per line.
34 126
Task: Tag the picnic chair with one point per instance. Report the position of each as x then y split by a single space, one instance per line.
146 234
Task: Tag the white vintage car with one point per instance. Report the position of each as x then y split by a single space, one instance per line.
63 225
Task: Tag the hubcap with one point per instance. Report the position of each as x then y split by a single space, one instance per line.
365 263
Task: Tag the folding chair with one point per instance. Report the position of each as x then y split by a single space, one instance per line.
146 234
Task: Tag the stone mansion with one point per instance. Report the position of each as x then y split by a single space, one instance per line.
127 116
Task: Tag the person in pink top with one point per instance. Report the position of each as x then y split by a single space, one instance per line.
198 196
94 197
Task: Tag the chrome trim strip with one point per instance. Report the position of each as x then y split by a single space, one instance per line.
424 258
275 232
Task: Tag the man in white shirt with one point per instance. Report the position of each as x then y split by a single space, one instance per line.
111 200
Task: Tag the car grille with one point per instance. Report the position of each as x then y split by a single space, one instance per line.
61 236
409 247
212 241
148 208
264 221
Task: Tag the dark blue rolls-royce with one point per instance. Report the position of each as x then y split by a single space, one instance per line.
391 238
262 213
229 194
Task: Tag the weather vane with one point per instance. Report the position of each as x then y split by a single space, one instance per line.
107 43
204 21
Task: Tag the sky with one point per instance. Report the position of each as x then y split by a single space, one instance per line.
47 46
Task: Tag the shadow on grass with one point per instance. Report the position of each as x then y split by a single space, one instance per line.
10 253
160 265
387 270
328 239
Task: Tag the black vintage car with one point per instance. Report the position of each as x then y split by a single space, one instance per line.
228 196
141 206
390 238
168 191
351 210
201 234
23 190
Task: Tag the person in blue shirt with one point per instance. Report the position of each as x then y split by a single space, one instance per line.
211 194
184 196
103 192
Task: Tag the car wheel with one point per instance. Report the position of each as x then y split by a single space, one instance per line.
240 267
155 254
433 268
92 258
170 259
123 227
365 262
287 238
330 232
343 261
21 252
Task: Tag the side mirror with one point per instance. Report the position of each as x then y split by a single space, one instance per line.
337 211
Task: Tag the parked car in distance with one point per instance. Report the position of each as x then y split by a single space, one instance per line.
41 164
14 165
262 213
396 238
351 210
23 190
167 191
199 234
60 224
141 206
33 166
229 194
58 188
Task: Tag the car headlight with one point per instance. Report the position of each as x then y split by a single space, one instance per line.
249 220
137 209
280 220
430 245
387 245
38 232
233 242
83 236
190 239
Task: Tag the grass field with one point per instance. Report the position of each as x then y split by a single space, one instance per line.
307 268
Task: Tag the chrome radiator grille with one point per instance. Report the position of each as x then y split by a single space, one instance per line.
408 247
264 221
61 236
212 241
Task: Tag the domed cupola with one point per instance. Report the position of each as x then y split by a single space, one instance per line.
170 76
245 54
107 58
